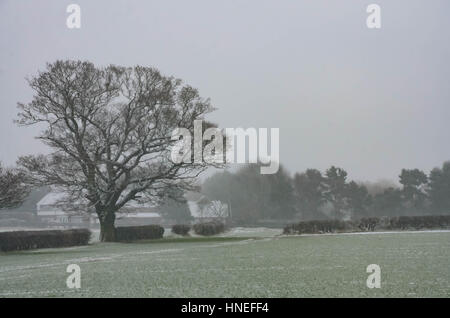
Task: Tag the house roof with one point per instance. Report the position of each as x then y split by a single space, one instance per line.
51 198
55 198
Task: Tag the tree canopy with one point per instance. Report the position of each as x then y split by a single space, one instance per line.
109 129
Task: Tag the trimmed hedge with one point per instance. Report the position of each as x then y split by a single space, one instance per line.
369 224
418 222
209 228
181 229
319 226
25 240
134 233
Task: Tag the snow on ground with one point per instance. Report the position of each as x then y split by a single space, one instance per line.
413 264
252 232
9 229
371 233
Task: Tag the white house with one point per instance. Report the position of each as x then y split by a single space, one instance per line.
53 209
203 210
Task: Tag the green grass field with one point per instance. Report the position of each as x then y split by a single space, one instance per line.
412 265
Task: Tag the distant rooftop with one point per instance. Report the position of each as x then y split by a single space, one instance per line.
57 198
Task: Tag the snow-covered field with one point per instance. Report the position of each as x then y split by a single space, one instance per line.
245 262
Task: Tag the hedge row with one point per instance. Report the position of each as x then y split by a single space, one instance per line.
25 240
318 226
369 224
181 229
134 233
209 228
418 222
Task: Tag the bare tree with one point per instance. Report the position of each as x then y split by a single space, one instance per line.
110 130
13 187
217 209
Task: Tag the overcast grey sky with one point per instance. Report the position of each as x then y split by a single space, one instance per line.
370 100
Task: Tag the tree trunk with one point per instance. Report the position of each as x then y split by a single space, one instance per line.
107 228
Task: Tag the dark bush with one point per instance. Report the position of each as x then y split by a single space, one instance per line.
25 240
134 233
181 229
368 224
209 228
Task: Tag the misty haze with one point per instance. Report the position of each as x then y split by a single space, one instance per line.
223 149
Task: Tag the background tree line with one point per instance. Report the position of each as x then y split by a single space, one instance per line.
316 195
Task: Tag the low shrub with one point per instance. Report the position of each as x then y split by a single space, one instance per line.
368 224
25 240
181 229
209 228
134 233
